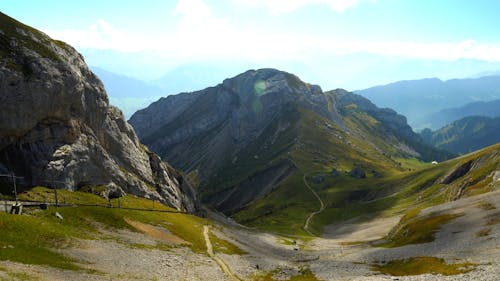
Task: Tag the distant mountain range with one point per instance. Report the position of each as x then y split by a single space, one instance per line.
465 135
418 100
128 94
449 115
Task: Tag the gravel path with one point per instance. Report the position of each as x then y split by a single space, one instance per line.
218 260
321 208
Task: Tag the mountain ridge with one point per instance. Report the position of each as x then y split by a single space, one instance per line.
240 139
446 116
418 99
465 135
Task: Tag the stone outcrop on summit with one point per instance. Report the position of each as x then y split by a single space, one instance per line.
57 127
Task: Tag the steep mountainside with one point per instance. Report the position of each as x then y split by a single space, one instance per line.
417 99
449 115
465 135
258 133
57 128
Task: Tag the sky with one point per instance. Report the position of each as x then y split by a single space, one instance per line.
336 43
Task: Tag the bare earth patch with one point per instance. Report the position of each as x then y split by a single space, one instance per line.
159 233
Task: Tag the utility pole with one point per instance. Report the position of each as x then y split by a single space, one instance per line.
56 199
15 187
13 177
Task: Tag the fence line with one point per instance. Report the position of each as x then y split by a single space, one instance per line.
34 203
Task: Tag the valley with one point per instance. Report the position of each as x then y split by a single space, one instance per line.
261 177
458 237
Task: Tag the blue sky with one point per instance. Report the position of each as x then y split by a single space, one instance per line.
308 36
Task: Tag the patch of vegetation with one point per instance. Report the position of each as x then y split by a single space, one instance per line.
223 246
493 219
20 276
85 196
423 265
305 274
484 232
484 205
31 238
28 240
417 230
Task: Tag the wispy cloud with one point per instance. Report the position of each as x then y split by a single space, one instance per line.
202 35
286 6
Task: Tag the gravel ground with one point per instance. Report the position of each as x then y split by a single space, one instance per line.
329 258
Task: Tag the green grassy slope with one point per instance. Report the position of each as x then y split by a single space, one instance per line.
320 146
405 184
32 237
465 135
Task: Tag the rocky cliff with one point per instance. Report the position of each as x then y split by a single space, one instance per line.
57 128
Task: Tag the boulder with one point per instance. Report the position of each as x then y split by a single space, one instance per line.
334 173
319 178
357 173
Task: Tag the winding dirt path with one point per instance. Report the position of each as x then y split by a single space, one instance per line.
218 260
311 215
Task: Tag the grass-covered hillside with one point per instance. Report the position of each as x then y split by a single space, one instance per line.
34 237
254 143
395 193
465 135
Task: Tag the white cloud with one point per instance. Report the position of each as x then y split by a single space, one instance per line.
201 35
100 35
286 6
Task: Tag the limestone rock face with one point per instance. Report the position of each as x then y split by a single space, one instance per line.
58 129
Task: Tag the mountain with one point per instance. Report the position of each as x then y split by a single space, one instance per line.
418 99
465 135
57 128
128 94
255 134
447 116
194 76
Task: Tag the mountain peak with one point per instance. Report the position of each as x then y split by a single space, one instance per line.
268 80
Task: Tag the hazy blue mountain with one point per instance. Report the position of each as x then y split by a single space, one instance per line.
128 94
358 70
195 76
465 135
418 99
449 115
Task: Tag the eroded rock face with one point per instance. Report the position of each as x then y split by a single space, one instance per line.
58 129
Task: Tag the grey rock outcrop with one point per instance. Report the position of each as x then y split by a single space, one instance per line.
334 173
58 129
